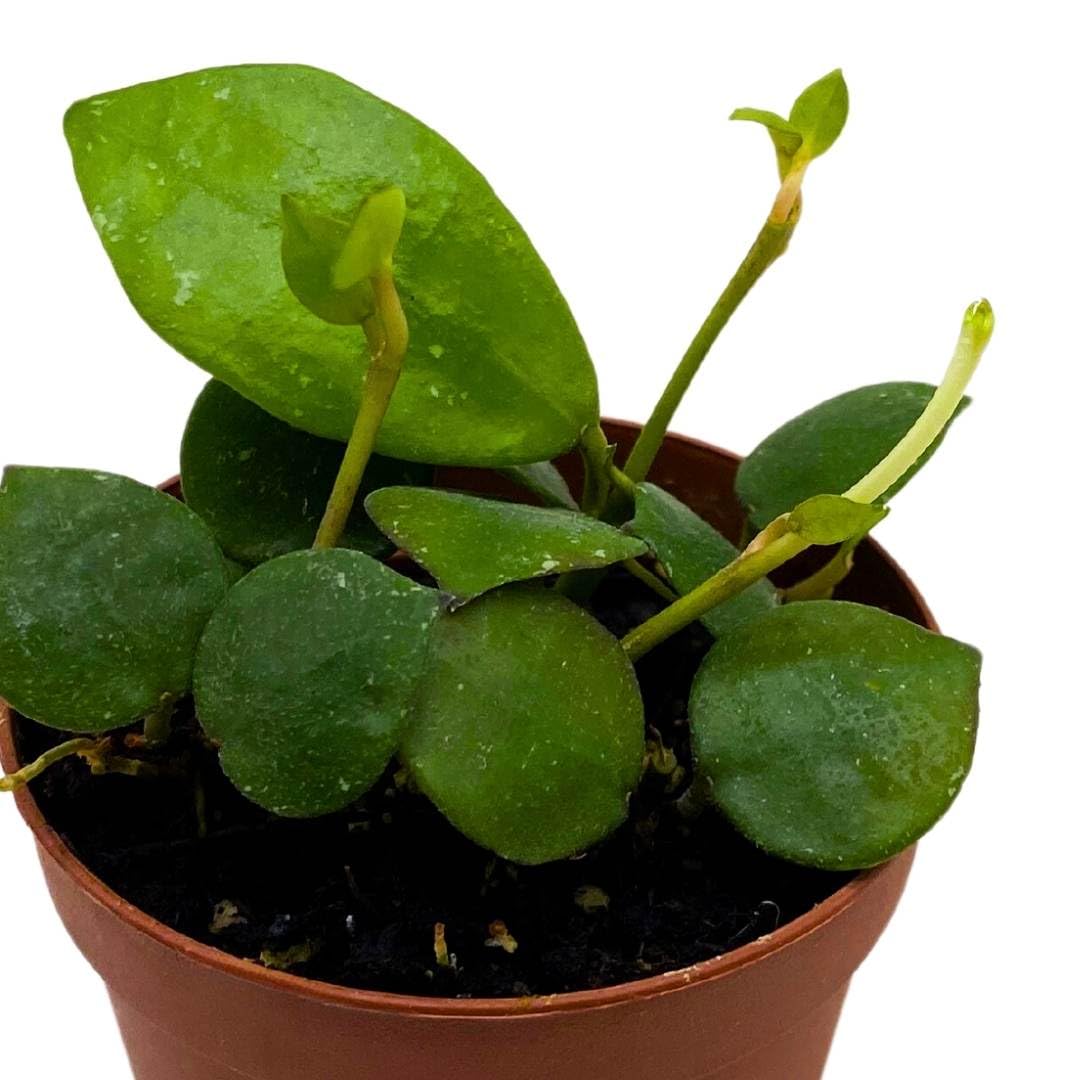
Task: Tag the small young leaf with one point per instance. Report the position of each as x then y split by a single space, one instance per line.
311 243
528 728
832 519
304 674
472 545
785 136
832 734
262 486
691 551
184 178
829 447
369 247
105 586
544 481
820 112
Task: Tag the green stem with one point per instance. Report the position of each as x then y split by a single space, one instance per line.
647 577
731 580
822 583
157 727
388 337
770 244
16 780
596 455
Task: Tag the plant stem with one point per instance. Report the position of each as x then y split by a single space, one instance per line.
388 337
731 580
770 244
647 577
822 583
596 454
157 727
16 780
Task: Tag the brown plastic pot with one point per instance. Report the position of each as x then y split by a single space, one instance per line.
765 1011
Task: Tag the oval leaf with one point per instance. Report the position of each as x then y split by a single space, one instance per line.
691 551
105 587
304 674
832 519
820 112
528 727
184 179
262 486
786 138
472 545
831 446
832 734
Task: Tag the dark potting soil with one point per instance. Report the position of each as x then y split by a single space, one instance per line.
354 898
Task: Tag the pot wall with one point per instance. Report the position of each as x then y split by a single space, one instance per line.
766 1011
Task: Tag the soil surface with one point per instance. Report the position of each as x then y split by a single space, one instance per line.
354 898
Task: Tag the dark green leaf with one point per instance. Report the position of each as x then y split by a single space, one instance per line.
831 446
105 586
544 481
184 180
785 136
691 551
832 519
262 486
472 545
820 112
833 734
304 674
528 728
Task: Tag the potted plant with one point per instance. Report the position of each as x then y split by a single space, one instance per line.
441 728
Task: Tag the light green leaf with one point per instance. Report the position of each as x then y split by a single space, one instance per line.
785 136
262 486
832 519
304 674
831 446
369 247
184 180
820 112
832 734
544 481
528 727
105 586
472 545
691 551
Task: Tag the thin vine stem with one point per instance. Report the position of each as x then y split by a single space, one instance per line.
388 337
83 747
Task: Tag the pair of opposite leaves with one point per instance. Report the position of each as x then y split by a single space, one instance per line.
301 616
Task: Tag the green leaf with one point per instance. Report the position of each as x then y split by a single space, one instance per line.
831 446
820 112
184 180
832 734
262 486
369 247
691 551
105 586
544 481
785 136
472 545
528 728
832 519
304 674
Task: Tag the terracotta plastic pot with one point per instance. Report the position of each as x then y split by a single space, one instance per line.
765 1011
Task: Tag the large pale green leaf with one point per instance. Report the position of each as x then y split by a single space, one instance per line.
691 551
831 446
184 180
472 545
833 734
304 674
105 586
262 486
528 728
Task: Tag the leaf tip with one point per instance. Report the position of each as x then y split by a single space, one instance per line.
979 322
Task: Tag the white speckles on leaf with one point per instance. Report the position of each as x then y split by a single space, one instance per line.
223 93
185 286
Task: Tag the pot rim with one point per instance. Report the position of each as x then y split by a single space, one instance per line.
718 967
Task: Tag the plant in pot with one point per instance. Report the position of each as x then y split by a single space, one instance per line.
442 728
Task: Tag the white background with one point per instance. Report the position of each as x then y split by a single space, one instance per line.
603 128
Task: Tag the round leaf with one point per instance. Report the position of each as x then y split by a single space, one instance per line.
528 728
304 674
832 734
105 587
472 545
184 179
831 446
691 551
262 486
